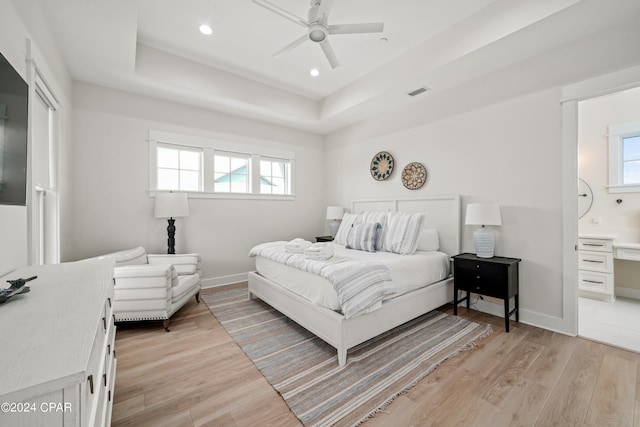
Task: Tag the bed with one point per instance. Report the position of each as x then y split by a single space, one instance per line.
442 213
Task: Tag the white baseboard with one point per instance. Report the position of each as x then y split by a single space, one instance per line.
213 282
627 292
532 318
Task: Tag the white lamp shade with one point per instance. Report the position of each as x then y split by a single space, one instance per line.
483 214
335 212
171 205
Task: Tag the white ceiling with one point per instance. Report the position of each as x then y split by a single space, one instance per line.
154 47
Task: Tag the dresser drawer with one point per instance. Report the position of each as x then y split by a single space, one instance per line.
599 245
484 278
595 261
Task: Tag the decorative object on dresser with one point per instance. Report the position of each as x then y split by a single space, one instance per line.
334 214
17 287
153 287
414 175
58 356
382 166
595 264
483 214
171 205
495 277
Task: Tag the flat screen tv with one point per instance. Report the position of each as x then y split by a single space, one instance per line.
14 100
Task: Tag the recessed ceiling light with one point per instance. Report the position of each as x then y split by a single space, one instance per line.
314 72
205 29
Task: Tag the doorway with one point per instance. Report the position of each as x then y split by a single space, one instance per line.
609 219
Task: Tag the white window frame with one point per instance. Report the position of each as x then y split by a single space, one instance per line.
287 178
616 134
254 148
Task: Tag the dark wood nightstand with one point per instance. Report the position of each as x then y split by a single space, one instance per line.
494 277
324 239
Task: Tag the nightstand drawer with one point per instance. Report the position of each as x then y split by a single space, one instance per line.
482 278
595 261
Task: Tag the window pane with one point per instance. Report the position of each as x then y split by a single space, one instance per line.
239 186
631 172
168 179
221 164
265 168
189 181
222 187
190 160
631 148
237 163
167 158
278 186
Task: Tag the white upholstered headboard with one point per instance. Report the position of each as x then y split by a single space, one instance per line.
442 213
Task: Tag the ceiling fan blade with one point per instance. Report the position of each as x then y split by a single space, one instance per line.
374 27
282 12
297 42
321 11
328 52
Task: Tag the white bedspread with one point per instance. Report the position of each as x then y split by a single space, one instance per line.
408 273
360 285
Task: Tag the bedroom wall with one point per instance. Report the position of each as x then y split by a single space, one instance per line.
21 21
622 220
112 206
507 153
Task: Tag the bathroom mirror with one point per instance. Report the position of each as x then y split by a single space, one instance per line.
585 198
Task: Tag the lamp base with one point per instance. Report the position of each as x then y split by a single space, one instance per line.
334 228
171 233
484 241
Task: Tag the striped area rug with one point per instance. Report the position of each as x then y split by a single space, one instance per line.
304 369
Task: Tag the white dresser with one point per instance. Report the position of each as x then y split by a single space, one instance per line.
57 355
595 264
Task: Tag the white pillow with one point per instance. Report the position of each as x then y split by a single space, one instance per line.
348 220
428 240
402 232
363 237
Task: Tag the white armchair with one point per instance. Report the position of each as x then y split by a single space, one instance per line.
153 287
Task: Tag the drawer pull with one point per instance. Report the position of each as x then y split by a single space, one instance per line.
596 245
90 379
104 323
109 301
593 261
593 281
108 348
104 377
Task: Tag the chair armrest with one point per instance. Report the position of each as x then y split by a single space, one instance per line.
144 270
183 263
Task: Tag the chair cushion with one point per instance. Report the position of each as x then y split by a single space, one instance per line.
184 285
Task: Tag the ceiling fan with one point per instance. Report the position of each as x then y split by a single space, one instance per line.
318 28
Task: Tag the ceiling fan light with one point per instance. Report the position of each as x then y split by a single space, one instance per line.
314 72
317 33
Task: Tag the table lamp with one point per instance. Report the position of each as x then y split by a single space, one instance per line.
171 205
483 238
335 213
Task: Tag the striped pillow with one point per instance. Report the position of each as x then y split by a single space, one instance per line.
402 233
363 237
348 220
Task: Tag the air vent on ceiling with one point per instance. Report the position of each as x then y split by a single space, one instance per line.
418 91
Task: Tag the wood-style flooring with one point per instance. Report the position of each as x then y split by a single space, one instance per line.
196 375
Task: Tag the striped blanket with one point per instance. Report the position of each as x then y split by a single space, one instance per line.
360 285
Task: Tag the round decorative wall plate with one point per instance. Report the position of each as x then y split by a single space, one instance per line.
414 175
381 166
